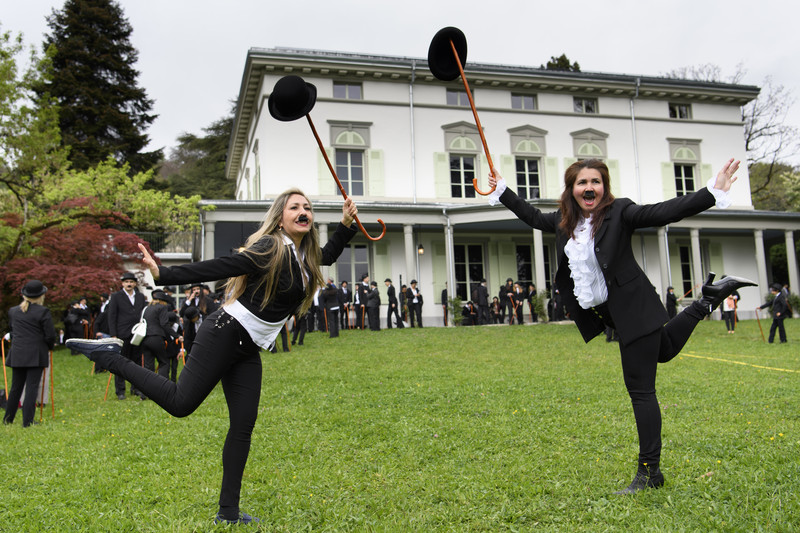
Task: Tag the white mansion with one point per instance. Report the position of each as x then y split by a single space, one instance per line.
406 148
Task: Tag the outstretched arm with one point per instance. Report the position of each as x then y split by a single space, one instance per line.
149 262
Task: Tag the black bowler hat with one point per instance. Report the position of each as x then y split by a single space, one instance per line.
129 275
160 295
292 98
33 289
441 60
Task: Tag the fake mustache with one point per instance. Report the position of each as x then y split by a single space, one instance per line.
589 195
302 218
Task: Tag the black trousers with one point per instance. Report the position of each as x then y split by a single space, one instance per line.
154 349
222 351
393 311
640 360
27 378
777 324
332 318
415 310
373 318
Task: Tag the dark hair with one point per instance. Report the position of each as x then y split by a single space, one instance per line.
570 211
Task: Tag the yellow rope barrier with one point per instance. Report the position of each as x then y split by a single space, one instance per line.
740 363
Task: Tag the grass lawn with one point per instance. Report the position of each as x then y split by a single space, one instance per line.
458 429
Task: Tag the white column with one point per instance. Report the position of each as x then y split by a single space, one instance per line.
451 267
208 245
538 260
323 240
761 262
411 253
663 260
791 262
697 265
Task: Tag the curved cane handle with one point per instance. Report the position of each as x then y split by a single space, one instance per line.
364 230
477 190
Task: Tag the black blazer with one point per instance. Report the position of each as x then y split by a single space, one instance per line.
32 337
158 324
390 293
344 298
122 315
290 291
633 303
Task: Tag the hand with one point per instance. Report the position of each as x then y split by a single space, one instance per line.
349 212
726 177
493 178
149 262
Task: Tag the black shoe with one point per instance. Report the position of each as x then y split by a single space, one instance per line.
647 477
121 396
715 293
244 518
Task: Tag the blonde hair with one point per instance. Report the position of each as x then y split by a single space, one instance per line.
156 301
273 254
26 302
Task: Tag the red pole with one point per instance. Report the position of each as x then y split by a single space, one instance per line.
52 388
5 378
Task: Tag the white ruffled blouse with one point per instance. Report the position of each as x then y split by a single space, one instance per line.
590 286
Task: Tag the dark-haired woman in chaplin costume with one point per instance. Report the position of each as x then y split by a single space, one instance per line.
602 285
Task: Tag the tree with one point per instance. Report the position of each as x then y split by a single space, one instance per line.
197 165
775 186
768 139
103 111
83 260
561 63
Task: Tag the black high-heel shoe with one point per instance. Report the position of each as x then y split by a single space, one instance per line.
715 293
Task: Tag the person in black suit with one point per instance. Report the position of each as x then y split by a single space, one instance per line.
602 285
393 306
159 334
345 302
125 309
330 301
360 301
414 299
482 301
506 296
373 307
33 335
780 309
671 303
273 277
443 302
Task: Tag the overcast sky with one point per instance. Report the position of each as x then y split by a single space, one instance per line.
192 52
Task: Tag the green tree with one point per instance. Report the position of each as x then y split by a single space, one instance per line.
197 165
102 110
561 63
775 186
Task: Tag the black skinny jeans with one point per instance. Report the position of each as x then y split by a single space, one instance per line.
222 351
640 360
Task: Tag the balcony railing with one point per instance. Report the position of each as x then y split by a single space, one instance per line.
177 243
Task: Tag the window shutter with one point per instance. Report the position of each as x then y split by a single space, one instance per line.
441 174
327 187
375 173
615 177
668 181
553 181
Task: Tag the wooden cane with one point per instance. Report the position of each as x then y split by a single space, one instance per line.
339 184
5 378
52 388
108 385
477 123
759 326
183 353
41 395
